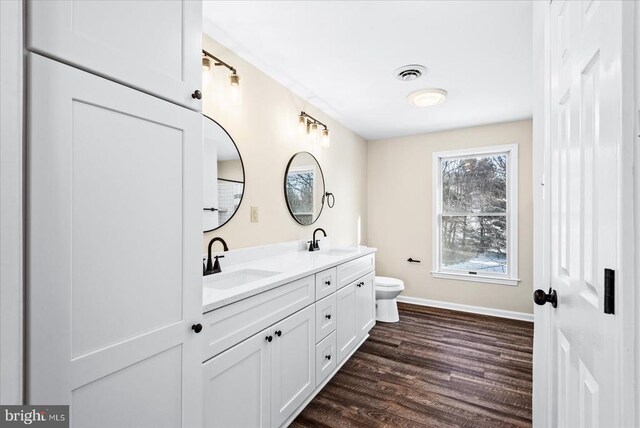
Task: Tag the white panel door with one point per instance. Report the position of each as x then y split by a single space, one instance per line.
151 45
365 305
114 240
237 385
293 363
347 327
584 219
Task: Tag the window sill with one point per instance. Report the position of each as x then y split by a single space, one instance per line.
475 278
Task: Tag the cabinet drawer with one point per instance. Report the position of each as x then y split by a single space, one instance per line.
231 324
326 315
350 271
325 283
326 357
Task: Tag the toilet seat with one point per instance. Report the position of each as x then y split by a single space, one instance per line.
386 283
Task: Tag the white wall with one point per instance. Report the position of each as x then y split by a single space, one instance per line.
265 130
400 214
11 152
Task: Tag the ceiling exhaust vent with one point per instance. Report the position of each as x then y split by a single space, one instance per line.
410 72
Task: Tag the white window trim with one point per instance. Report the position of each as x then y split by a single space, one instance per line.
512 218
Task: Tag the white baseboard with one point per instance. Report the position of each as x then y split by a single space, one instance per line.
467 308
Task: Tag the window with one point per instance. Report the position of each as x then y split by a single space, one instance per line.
475 214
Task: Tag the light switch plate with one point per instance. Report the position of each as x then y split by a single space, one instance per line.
254 214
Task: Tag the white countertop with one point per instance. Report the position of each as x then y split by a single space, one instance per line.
291 266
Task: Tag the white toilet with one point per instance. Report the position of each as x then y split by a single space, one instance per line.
387 289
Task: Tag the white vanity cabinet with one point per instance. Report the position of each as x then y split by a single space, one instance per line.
261 381
267 355
154 46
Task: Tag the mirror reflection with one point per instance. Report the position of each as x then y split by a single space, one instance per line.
304 188
223 173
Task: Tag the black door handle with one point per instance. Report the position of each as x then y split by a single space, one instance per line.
412 260
327 282
197 328
540 297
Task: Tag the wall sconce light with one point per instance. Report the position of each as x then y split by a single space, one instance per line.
234 77
311 126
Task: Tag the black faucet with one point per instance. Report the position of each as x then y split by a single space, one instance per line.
214 267
313 245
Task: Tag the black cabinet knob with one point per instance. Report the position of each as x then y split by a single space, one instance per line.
540 297
327 282
360 284
269 338
328 357
328 316
197 328
197 95
278 333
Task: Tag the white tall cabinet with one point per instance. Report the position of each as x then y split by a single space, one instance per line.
151 45
114 203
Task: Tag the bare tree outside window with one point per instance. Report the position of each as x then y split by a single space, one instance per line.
300 195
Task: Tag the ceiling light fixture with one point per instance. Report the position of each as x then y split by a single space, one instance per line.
427 97
234 77
311 126
410 72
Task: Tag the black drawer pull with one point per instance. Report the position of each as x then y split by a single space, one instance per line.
278 333
327 282
328 316
328 357
197 328
269 338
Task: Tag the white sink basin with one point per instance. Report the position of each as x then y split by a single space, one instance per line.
226 281
337 251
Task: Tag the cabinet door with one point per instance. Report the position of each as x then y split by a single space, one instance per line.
114 282
365 305
292 364
151 45
236 386
347 328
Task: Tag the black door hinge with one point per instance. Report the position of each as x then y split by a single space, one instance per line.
609 291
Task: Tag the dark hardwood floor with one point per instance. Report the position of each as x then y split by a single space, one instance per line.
434 368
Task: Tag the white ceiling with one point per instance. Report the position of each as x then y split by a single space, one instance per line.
341 56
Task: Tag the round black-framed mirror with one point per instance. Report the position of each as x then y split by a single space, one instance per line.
304 188
223 176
